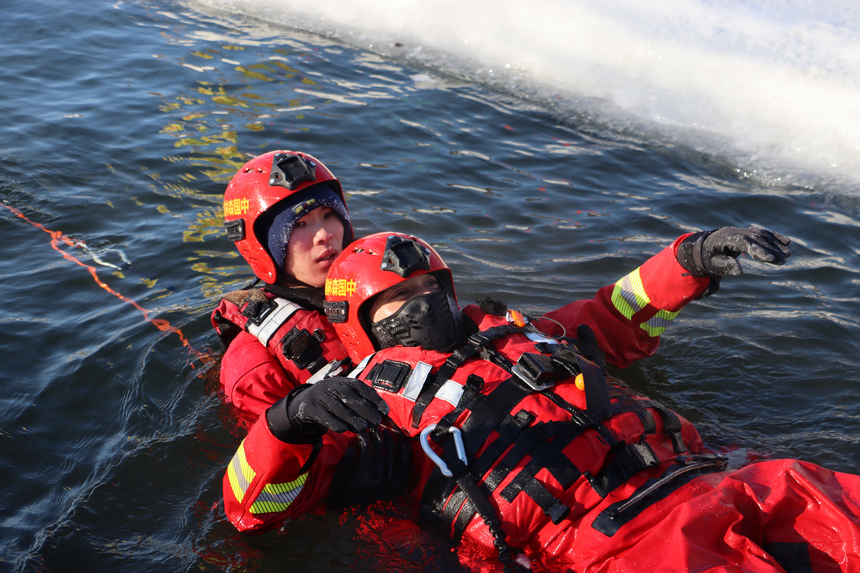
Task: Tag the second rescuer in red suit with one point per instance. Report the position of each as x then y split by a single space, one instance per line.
531 450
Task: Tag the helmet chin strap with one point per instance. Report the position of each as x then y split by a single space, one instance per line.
431 321
291 282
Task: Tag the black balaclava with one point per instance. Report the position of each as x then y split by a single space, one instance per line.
432 321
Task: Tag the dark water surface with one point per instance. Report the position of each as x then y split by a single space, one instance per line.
122 123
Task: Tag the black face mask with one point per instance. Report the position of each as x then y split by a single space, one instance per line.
431 321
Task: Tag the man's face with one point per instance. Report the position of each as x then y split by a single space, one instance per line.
316 239
390 300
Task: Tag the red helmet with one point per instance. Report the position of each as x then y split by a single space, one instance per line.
369 266
262 183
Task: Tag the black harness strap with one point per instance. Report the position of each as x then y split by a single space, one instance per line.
649 426
458 505
629 459
596 390
428 392
549 504
672 424
544 442
474 385
457 500
509 431
469 492
481 502
546 453
473 345
531 441
555 437
567 358
487 411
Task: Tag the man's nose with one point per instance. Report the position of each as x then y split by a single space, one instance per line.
323 234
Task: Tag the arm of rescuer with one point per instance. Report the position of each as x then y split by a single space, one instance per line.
272 346
628 317
252 378
253 375
286 464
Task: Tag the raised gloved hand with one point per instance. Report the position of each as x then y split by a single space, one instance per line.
336 404
714 253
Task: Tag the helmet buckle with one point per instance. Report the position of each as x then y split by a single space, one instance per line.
235 229
336 311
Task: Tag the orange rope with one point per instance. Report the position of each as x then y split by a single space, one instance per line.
57 237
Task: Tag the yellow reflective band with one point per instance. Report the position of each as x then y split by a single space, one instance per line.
240 473
278 496
659 322
629 296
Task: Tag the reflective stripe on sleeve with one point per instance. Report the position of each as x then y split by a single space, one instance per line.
629 296
240 473
658 323
277 497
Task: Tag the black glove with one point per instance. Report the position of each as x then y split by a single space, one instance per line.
713 253
375 467
336 404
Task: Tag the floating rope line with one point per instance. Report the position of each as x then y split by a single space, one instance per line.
57 238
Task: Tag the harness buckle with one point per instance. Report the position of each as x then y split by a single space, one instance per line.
434 457
536 371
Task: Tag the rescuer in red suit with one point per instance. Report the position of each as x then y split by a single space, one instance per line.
522 444
287 215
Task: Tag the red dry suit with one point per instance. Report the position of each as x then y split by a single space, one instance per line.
625 486
273 345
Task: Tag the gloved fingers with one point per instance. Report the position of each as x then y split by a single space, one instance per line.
782 239
368 393
358 405
338 404
768 247
760 244
354 415
724 244
318 415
